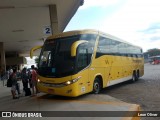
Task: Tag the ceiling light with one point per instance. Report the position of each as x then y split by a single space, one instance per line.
7 7
23 40
18 30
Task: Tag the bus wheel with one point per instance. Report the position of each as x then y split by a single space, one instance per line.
137 75
96 86
134 77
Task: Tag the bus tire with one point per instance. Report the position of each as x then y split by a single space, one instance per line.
137 75
96 86
134 77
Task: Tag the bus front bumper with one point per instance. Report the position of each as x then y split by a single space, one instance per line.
70 90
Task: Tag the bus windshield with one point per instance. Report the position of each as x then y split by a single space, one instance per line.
55 58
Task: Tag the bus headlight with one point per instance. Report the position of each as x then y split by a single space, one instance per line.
72 81
38 80
69 82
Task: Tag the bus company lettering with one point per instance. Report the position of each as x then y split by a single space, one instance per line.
137 61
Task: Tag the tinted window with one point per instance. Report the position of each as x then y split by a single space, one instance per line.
112 47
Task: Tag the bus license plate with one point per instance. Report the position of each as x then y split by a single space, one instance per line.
50 90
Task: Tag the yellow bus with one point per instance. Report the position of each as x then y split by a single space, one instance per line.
82 61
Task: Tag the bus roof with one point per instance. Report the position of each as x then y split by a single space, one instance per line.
75 32
89 31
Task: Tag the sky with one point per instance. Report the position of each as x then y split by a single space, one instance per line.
135 21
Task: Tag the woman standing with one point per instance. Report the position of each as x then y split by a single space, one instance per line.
34 81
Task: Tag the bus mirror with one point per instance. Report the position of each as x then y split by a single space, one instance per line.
33 49
75 45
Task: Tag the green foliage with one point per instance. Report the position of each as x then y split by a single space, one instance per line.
152 52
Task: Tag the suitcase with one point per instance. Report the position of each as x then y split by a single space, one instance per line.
27 92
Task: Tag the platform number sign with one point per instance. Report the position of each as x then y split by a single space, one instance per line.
47 30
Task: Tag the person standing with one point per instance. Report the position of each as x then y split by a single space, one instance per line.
29 77
14 83
25 78
34 81
10 71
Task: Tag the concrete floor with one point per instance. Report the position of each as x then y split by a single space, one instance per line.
65 108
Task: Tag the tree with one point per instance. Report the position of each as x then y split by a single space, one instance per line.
153 52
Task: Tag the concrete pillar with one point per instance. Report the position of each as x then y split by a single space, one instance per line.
2 54
53 19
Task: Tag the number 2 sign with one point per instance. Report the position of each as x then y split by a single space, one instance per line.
47 30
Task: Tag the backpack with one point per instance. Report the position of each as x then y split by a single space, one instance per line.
9 81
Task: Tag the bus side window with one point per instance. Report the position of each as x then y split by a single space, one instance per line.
103 46
82 59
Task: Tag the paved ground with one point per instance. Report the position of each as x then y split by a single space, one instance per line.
145 92
45 102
